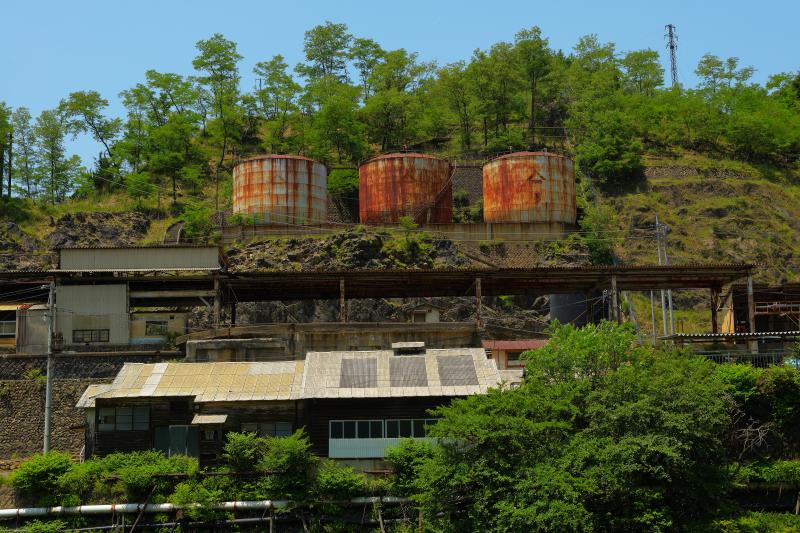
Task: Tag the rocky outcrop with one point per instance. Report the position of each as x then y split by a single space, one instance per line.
98 229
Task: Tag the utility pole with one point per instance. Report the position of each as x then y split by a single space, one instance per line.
669 291
653 316
48 391
663 301
672 46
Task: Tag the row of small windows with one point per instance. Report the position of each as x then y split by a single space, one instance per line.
379 429
268 429
90 335
123 419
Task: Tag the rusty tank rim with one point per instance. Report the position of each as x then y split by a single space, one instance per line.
515 155
401 155
263 157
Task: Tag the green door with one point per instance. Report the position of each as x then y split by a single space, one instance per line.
178 440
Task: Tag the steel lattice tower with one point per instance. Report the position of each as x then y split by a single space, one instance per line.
672 45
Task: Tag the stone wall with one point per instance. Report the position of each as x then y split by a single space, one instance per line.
73 366
22 415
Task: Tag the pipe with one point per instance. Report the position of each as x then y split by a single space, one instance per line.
129 508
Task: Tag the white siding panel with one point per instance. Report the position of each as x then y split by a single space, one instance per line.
139 258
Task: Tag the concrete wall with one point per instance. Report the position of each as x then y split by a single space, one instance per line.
93 307
171 257
293 341
176 325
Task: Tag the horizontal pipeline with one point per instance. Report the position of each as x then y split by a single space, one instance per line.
130 508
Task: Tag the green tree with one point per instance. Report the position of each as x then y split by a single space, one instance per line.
643 72
277 96
217 61
82 112
326 48
455 84
615 438
534 56
24 163
6 147
365 54
335 127
56 171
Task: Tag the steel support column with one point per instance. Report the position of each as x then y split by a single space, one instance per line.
478 317
342 302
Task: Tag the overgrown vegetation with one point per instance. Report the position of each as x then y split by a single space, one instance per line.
604 435
351 98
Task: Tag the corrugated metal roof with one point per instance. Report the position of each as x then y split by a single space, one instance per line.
208 382
209 419
92 392
758 334
360 374
169 269
441 372
521 344
138 247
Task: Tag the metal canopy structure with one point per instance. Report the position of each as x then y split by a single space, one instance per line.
186 287
261 286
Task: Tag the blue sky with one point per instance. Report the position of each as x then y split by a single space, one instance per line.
50 48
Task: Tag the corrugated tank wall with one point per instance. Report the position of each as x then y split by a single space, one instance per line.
281 189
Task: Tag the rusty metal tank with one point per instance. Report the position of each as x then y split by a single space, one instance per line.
529 187
281 189
391 186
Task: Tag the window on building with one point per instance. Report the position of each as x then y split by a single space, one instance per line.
201 356
415 428
356 429
155 327
90 335
419 316
123 419
268 429
514 356
8 323
209 435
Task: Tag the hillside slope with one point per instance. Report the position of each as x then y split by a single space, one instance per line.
717 211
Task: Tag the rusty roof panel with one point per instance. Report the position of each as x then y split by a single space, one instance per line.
529 187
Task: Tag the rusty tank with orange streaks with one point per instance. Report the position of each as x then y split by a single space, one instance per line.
281 189
395 185
529 187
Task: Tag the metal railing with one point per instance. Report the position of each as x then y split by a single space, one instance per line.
760 360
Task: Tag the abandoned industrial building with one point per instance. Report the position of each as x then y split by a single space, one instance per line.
180 382
353 404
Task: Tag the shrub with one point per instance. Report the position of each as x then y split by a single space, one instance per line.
343 182
194 492
406 459
242 451
51 526
757 523
38 477
291 461
139 473
336 482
